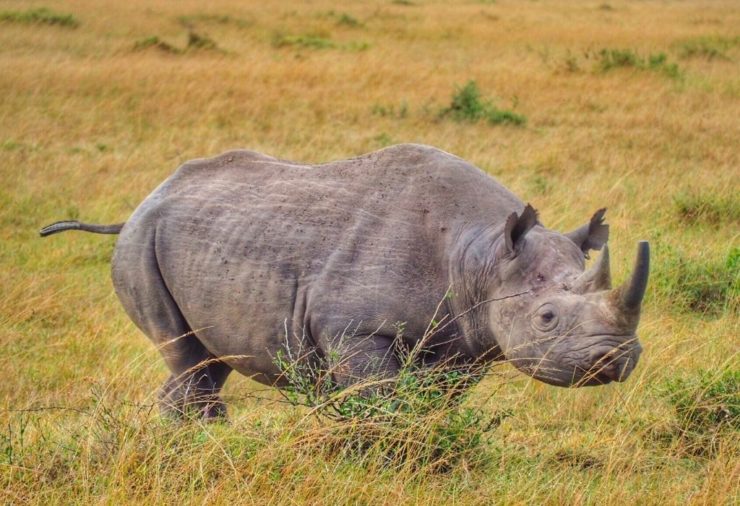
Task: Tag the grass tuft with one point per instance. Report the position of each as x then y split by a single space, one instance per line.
154 42
309 41
391 111
348 20
468 105
280 40
610 59
707 47
201 42
40 16
196 42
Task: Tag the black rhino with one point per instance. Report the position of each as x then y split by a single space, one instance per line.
236 257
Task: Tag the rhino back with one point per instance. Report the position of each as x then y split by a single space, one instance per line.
254 249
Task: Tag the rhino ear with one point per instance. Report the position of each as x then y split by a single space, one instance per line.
593 235
517 227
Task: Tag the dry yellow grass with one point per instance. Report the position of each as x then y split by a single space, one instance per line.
88 127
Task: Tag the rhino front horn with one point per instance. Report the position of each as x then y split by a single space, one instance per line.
630 294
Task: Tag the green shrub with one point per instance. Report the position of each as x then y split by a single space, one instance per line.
416 419
40 16
707 408
468 105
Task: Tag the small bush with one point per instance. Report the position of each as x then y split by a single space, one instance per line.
705 287
468 105
416 419
706 406
40 16
695 208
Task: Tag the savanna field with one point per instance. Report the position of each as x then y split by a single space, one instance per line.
574 106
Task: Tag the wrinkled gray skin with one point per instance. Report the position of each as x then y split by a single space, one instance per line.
236 257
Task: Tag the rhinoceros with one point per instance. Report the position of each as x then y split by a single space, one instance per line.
236 257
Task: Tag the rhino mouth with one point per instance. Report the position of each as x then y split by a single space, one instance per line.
591 365
614 363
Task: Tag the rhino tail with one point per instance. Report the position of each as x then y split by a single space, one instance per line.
61 226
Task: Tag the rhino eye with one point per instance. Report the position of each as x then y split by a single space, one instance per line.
546 318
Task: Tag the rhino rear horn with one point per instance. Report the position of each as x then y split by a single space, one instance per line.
517 227
597 277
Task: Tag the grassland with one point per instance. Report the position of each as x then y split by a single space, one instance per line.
630 105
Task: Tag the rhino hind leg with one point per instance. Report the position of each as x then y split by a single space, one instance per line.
197 376
195 393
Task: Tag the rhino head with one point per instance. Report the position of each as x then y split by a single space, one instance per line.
568 327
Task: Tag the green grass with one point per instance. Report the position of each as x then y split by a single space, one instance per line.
39 16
